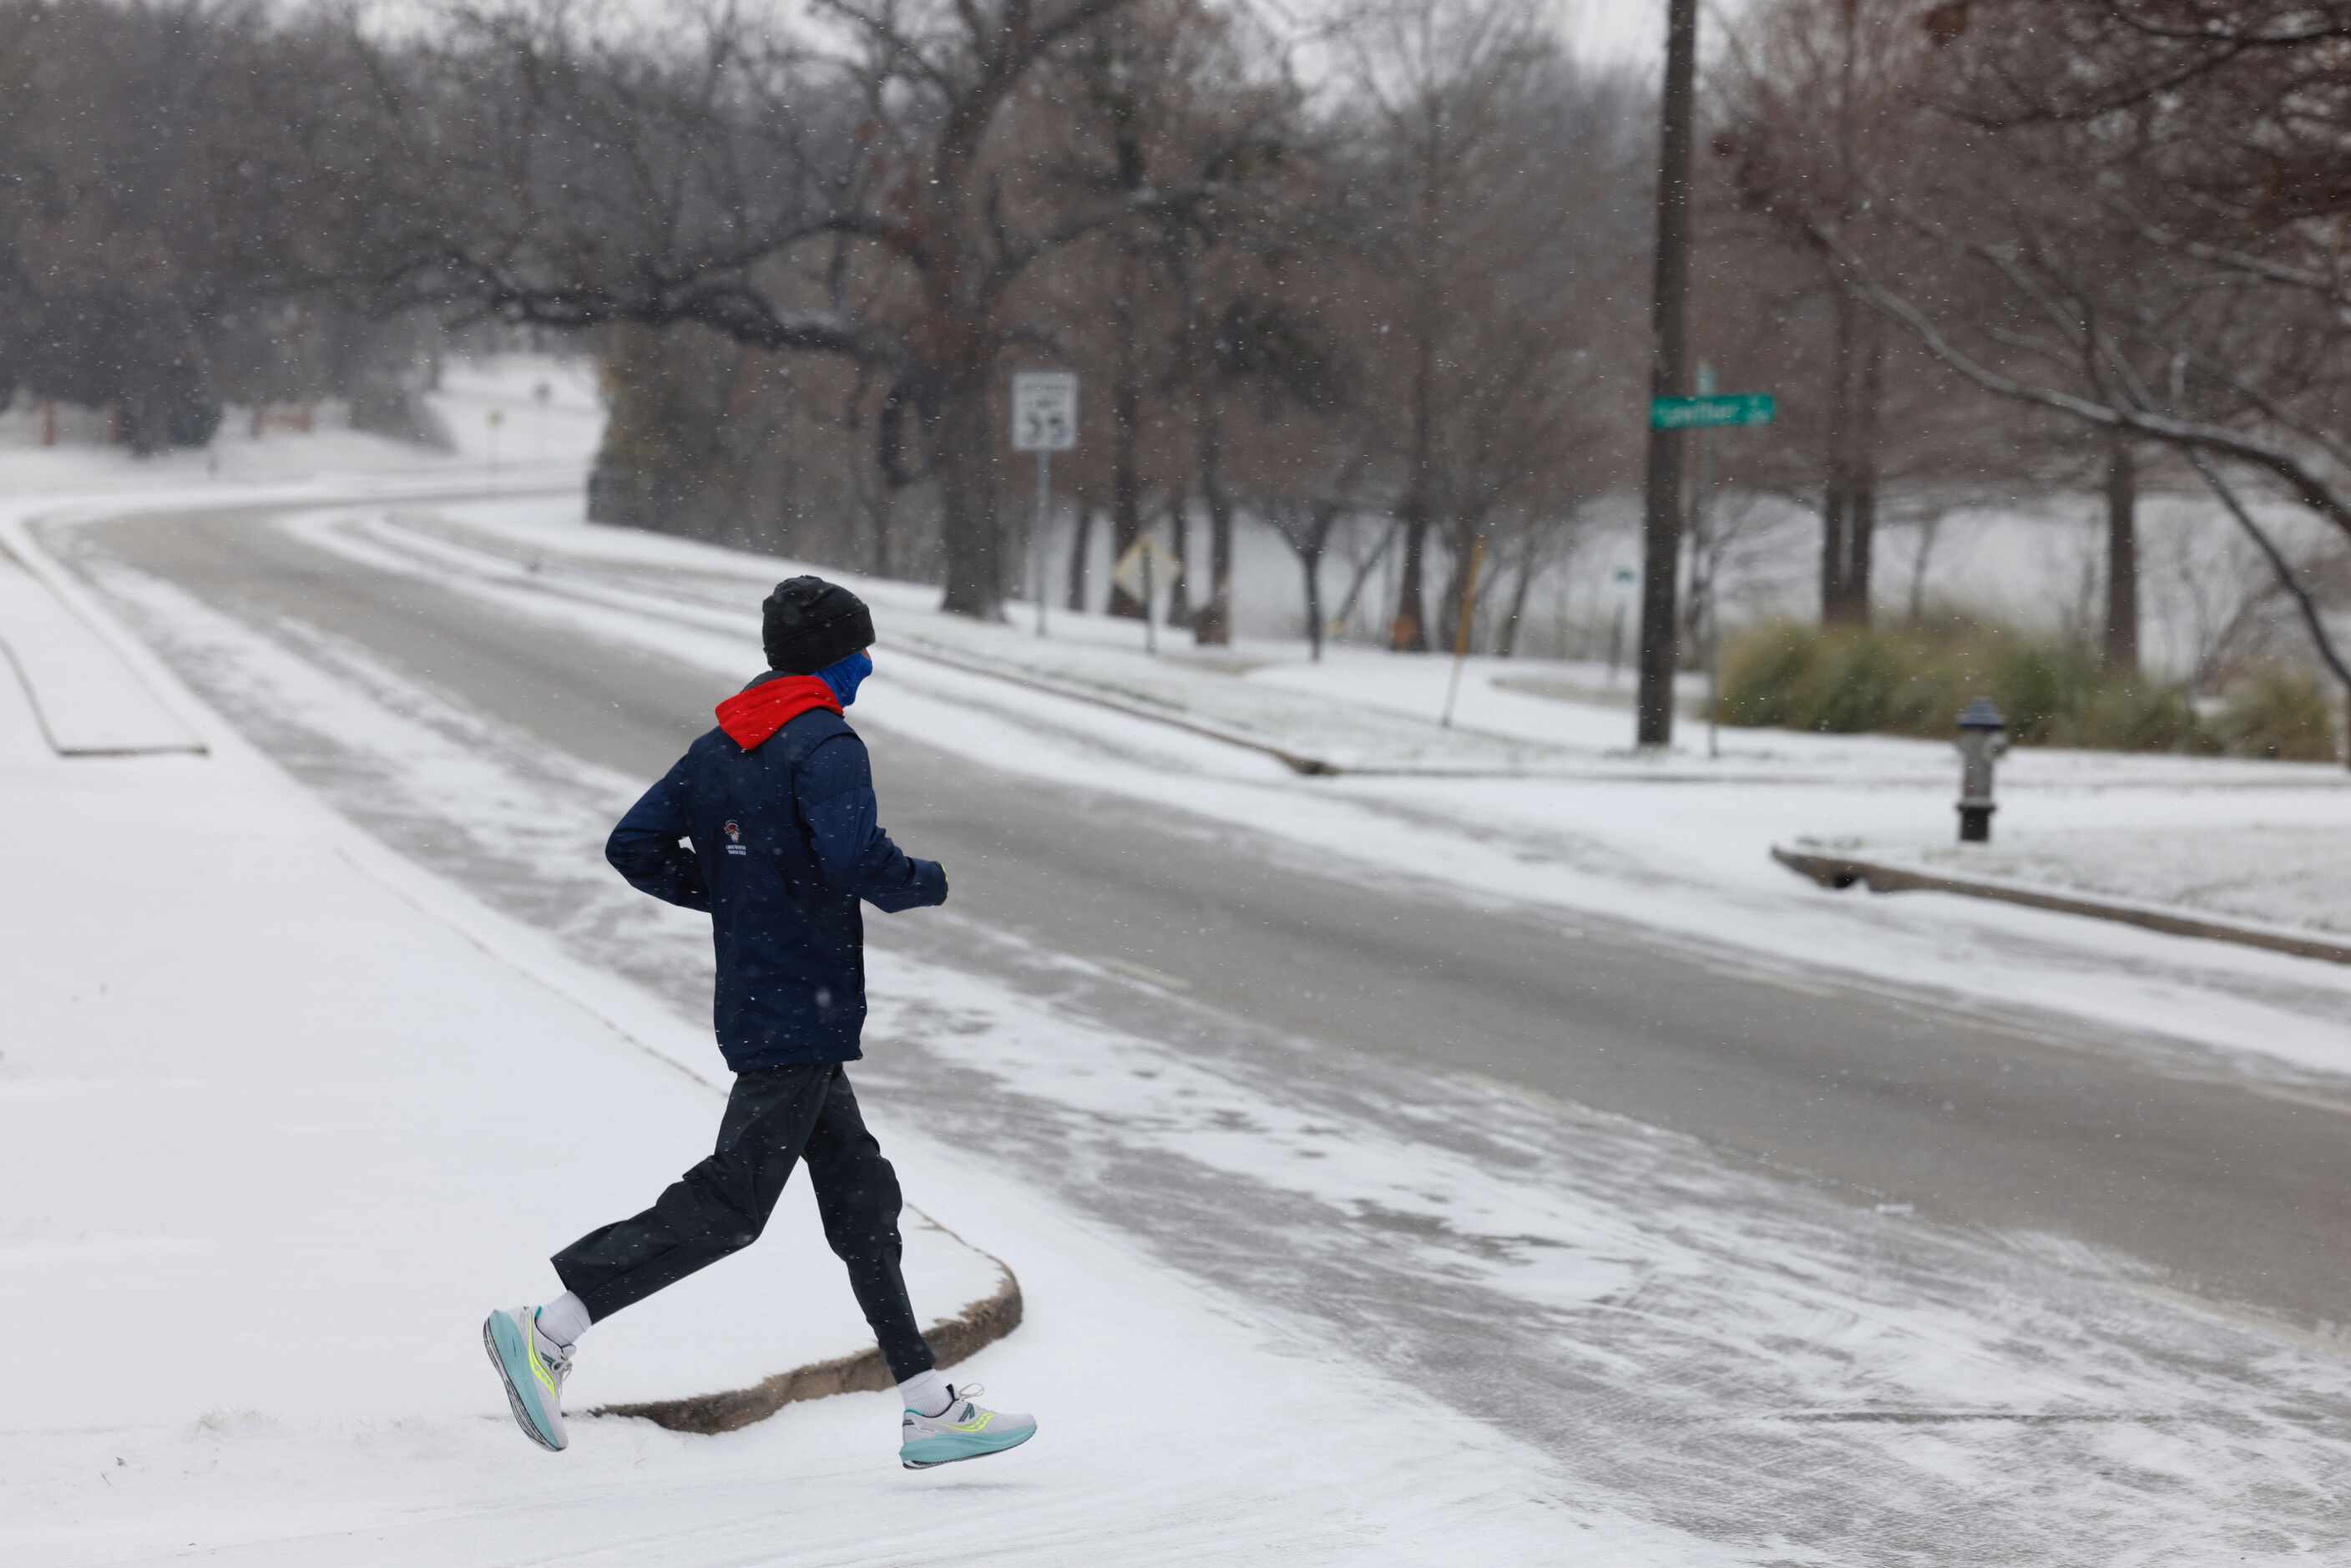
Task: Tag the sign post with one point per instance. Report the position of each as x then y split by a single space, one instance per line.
1044 421
1625 578
1461 627
1133 574
1709 411
1702 572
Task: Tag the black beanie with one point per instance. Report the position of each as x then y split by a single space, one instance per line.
808 623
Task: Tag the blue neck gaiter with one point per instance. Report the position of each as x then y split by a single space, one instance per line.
845 676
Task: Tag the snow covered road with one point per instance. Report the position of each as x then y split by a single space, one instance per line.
1758 1265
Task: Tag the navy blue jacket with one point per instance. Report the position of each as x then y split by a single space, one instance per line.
778 807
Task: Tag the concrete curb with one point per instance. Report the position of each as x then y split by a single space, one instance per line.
38 571
1297 762
1842 871
954 1339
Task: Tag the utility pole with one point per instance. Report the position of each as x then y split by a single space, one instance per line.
1703 562
1662 519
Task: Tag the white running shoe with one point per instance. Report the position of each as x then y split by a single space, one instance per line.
534 1381
964 1430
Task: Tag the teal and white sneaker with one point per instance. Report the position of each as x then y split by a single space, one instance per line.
534 1381
962 1431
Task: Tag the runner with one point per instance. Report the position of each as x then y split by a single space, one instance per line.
768 824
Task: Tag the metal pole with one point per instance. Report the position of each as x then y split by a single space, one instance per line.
1702 568
1044 516
1150 628
1662 520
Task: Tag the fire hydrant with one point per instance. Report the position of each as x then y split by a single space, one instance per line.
1983 740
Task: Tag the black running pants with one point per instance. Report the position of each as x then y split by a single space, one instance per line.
773 1119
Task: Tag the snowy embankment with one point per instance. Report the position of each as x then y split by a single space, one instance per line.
1679 843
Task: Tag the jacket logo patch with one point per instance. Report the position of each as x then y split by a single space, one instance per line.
735 839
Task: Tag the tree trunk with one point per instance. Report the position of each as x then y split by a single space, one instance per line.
1928 531
1465 532
1861 473
964 459
1371 563
880 511
1448 597
1214 624
1850 513
1409 631
1179 592
1506 639
1310 561
1082 552
2122 558
1833 549
1126 418
1837 503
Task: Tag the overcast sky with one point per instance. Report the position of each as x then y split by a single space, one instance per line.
1633 31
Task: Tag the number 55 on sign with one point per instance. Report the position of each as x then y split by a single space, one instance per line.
1044 411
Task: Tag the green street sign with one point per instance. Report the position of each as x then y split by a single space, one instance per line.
1707 413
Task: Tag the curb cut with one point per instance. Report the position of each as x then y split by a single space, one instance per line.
954 1339
1839 871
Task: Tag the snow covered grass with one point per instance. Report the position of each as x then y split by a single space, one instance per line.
2289 867
2032 560
532 439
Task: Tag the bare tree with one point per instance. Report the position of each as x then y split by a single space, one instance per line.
2152 133
705 171
1436 81
1818 103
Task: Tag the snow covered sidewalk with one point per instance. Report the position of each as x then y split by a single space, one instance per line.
276 1111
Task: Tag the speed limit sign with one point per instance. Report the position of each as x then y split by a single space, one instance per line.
1044 411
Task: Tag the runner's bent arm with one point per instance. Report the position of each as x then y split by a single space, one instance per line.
648 848
844 830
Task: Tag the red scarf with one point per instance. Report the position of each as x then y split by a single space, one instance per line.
751 718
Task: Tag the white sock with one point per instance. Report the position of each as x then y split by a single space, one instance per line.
562 1320
927 1394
